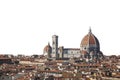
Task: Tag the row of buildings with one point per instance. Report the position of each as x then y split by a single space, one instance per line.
40 68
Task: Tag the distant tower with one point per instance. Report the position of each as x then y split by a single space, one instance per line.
55 46
61 51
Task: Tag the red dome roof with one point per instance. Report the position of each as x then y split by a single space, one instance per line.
47 48
90 43
90 39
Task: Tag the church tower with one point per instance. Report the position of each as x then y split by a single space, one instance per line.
55 46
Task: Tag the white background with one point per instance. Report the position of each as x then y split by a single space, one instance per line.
26 26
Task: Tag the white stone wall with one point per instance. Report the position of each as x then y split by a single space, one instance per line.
68 53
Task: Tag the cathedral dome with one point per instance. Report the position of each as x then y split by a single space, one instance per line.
90 43
47 49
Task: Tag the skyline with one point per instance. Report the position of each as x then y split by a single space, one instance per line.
27 26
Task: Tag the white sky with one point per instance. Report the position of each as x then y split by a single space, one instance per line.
26 26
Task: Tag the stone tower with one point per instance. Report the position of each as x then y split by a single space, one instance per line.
55 47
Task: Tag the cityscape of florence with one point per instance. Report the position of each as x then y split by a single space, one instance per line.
59 63
59 40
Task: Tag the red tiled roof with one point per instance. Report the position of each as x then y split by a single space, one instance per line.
47 48
88 39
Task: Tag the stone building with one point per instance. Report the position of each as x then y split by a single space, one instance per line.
89 49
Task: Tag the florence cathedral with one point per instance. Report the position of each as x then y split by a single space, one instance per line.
89 49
